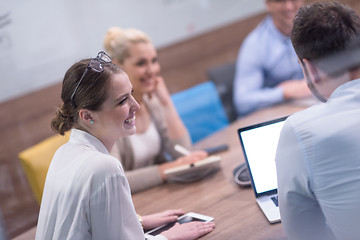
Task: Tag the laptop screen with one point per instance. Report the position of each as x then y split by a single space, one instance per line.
259 143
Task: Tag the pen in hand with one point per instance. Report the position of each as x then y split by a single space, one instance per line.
182 150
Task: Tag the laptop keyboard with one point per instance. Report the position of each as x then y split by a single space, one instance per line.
275 199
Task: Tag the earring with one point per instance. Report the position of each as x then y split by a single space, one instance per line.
91 122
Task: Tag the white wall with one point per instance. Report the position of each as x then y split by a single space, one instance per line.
40 39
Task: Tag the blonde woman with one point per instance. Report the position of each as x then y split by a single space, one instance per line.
158 124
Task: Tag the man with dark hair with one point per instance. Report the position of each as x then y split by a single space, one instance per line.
267 70
318 155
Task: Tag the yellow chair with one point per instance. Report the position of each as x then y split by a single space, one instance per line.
36 160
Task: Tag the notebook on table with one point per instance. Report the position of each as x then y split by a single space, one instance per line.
194 171
259 143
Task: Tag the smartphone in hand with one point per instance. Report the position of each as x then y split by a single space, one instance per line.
188 217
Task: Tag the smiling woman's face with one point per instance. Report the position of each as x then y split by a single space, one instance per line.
117 115
142 66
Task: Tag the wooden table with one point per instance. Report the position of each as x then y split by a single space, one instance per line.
236 213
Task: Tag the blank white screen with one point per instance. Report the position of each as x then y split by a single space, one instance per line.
260 146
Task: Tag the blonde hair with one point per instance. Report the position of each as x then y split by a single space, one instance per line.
117 42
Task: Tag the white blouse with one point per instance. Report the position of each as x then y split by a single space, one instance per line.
148 146
86 194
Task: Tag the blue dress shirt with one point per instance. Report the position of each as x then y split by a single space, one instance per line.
318 168
266 58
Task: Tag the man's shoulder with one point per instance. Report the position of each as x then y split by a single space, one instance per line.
306 116
263 29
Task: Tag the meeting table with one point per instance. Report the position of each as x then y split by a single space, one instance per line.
233 207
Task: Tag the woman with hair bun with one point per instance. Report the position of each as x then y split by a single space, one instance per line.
86 194
159 127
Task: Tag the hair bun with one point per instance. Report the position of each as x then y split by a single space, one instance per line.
62 122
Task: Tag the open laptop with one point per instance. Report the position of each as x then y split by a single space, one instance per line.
259 143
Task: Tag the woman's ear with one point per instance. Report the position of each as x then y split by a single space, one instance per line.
86 116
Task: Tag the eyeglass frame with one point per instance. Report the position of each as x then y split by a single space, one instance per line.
99 59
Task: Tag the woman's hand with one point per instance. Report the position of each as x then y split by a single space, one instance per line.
162 92
188 231
175 126
188 159
158 219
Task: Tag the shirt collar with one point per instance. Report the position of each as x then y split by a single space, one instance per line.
270 22
353 85
81 137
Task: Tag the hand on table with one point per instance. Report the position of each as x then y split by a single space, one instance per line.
155 220
188 231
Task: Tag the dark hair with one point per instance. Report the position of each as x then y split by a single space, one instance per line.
324 29
91 94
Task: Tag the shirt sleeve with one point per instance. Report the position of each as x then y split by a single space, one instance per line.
141 178
249 93
301 215
144 178
112 214
160 237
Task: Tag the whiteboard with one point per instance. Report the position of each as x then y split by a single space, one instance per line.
40 40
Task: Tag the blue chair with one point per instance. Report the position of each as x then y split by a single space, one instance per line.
201 110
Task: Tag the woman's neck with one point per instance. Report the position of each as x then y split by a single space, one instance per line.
143 119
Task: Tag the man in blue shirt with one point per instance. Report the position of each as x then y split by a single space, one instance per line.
318 154
267 68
